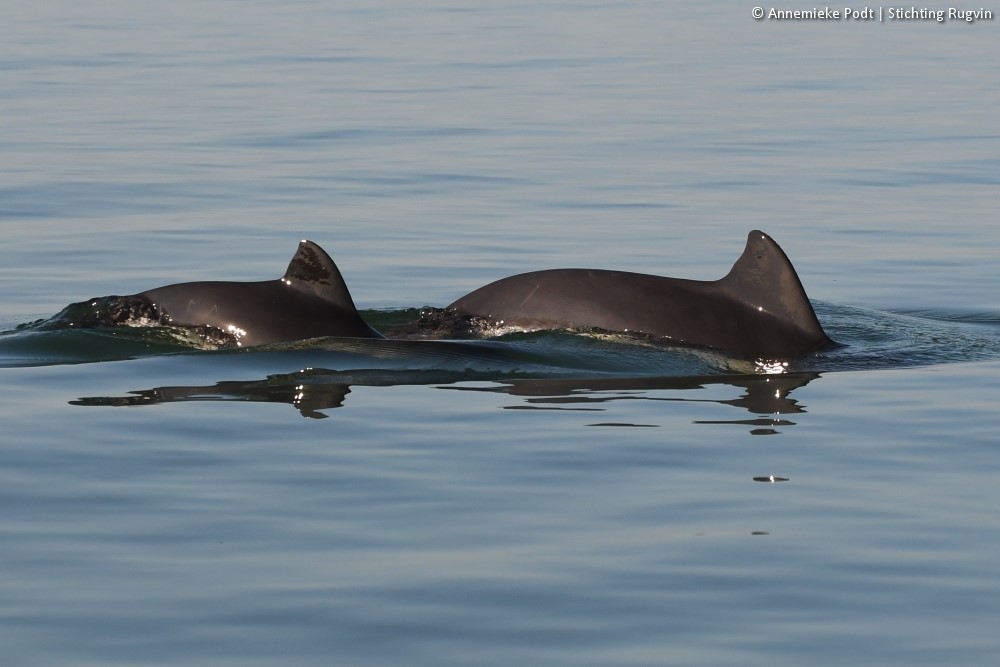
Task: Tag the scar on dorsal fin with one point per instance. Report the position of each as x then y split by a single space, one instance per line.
764 278
313 272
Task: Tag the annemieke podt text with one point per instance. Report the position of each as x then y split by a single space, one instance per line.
873 14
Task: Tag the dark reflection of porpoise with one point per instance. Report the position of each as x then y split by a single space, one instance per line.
308 399
763 394
315 389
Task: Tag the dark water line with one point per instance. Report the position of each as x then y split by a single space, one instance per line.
870 340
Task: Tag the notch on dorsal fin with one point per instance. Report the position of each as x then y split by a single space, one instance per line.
313 272
764 278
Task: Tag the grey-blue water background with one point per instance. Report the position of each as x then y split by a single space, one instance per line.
458 518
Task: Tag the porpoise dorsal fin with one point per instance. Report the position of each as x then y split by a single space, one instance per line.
313 272
764 278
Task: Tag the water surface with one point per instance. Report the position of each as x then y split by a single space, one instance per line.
542 499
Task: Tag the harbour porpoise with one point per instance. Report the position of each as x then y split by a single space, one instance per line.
758 310
309 301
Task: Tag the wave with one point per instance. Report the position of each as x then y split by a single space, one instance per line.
870 339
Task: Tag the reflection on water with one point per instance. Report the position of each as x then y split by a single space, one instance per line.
766 395
308 399
314 390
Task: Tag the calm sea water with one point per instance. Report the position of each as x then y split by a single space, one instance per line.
574 501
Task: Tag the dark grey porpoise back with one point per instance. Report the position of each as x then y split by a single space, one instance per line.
758 310
309 301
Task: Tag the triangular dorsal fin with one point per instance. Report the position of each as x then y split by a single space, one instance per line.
313 272
764 278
